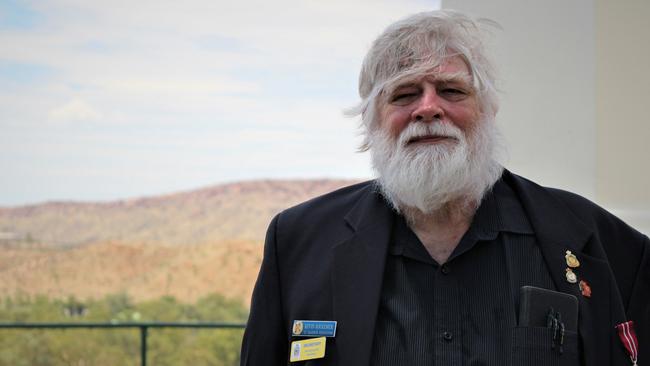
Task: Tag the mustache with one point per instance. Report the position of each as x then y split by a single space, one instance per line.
419 131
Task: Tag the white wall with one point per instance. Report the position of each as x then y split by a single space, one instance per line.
564 85
544 55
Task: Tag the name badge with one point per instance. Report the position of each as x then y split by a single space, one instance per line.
314 328
307 349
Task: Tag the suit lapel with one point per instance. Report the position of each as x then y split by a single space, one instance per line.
557 230
357 276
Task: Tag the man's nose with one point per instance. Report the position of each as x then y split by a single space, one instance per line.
429 107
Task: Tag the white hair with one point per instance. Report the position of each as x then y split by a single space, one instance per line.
416 45
427 177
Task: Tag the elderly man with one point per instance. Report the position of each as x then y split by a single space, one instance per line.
447 258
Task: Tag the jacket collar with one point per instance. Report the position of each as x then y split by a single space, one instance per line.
552 220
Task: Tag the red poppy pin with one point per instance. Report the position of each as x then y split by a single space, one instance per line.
585 288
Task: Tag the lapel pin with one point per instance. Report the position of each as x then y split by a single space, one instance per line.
571 260
585 289
570 276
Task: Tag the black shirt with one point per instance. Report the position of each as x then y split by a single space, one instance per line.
461 312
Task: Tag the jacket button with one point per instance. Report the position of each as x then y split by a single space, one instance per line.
447 336
445 269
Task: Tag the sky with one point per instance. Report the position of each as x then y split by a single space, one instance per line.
105 100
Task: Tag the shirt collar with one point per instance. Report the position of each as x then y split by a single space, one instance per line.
500 211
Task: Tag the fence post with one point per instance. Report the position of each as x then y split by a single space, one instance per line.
143 345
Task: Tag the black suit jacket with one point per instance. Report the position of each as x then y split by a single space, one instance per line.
324 260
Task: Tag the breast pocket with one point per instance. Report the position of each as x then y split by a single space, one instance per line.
539 346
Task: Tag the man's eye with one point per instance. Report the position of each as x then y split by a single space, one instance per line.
454 94
453 91
403 97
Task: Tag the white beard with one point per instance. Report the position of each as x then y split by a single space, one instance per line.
428 176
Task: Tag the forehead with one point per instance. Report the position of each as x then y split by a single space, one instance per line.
453 69
452 65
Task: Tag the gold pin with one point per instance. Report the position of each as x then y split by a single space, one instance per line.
570 276
571 260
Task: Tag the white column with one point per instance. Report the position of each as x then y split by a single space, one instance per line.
622 113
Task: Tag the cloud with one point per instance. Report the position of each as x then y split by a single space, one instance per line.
162 84
177 86
75 110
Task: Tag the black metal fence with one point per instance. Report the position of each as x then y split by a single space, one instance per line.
144 326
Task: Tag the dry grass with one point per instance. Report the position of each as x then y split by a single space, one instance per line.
144 271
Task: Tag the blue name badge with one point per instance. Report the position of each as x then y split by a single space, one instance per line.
313 328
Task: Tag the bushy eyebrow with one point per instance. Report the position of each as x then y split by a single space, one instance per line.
451 78
459 77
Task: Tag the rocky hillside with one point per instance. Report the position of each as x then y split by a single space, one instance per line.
186 245
238 211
